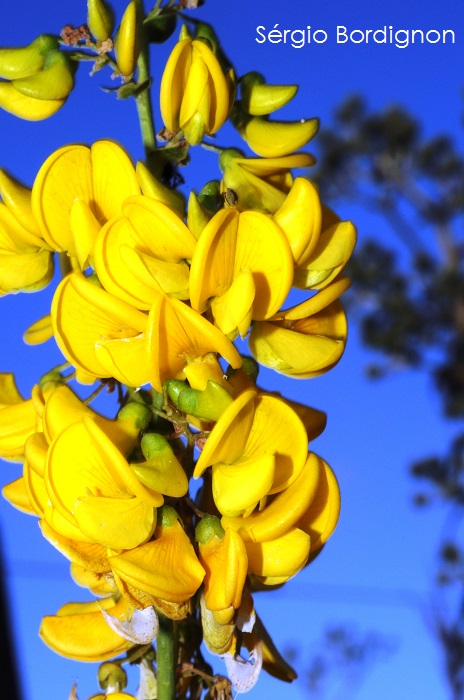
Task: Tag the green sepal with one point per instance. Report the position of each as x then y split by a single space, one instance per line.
209 527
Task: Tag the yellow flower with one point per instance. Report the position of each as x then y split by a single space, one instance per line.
260 183
243 267
102 336
284 511
26 262
257 448
176 336
273 139
79 631
77 190
143 251
195 94
306 340
167 567
92 486
224 558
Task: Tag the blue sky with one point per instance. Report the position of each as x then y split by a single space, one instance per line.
376 572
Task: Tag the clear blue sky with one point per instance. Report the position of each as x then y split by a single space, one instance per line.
375 573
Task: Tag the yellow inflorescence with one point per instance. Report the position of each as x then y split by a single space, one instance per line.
154 299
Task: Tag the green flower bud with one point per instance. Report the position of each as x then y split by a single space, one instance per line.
136 413
23 61
208 527
208 404
111 675
174 387
53 82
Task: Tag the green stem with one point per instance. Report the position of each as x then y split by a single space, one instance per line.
143 98
166 654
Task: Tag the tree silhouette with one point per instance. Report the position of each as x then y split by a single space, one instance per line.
409 299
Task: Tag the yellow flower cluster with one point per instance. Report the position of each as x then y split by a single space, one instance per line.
153 298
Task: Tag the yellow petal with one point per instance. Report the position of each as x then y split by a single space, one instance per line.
225 564
177 334
83 315
282 556
167 567
17 422
226 442
273 139
172 84
113 177
329 258
321 518
17 198
65 176
233 310
83 636
39 332
284 510
300 218
241 485
277 430
16 494
9 393
117 523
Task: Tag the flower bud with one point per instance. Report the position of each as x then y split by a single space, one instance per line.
259 99
196 96
162 471
23 61
208 405
99 19
126 45
54 82
111 675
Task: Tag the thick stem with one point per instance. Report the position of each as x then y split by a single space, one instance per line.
143 98
166 654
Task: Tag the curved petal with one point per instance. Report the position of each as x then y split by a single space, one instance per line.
176 333
283 556
65 176
277 430
83 635
226 442
284 511
166 568
321 518
240 486
83 315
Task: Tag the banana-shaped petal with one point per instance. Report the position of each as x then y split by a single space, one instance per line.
54 82
259 99
25 107
22 61
272 139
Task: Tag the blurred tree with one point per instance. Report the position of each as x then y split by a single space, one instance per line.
409 299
